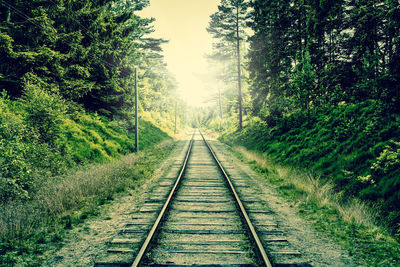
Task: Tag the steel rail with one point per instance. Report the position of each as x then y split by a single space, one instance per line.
150 237
243 214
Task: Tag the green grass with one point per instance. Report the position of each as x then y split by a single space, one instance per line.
28 228
349 222
37 141
89 138
354 146
59 164
149 134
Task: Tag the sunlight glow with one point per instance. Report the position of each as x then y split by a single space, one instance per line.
184 23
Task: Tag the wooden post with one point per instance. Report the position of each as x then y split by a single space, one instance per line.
136 113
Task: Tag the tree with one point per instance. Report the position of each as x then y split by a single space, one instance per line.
222 78
303 84
284 32
27 43
80 49
228 25
272 52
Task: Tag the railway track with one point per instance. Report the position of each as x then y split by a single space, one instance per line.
196 217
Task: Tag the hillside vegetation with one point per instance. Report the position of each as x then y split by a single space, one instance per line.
67 105
355 146
59 164
40 140
67 88
320 90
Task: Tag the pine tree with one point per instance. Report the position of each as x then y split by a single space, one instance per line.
27 44
391 95
81 49
272 51
228 25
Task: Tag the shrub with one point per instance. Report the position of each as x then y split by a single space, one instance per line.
14 170
15 178
388 161
386 174
44 112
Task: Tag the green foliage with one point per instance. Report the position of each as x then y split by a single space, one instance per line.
385 176
228 25
44 112
157 88
352 46
303 83
230 15
89 138
39 138
62 62
149 135
83 49
15 177
62 202
350 144
165 121
388 161
14 170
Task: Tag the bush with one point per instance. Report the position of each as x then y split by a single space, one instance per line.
387 162
15 177
44 112
386 174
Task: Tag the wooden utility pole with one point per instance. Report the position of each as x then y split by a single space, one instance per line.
136 113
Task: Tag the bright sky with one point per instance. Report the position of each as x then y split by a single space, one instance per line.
184 23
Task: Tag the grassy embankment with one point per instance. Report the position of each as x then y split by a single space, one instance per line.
340 167
49 185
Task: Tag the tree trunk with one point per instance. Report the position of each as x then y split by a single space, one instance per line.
239 71
176 113
220 108
8 15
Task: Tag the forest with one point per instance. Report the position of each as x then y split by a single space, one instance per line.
313 84
68 85
317 85
67 101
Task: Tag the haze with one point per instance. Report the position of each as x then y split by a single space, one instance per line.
184 23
